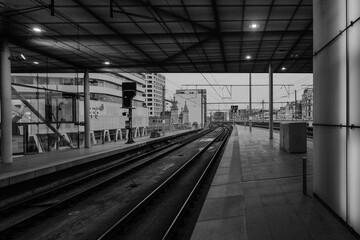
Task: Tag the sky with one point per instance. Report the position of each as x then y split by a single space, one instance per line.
220 94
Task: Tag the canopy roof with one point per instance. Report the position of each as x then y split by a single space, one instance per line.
159 35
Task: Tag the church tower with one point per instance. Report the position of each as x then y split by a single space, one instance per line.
185 113
174 120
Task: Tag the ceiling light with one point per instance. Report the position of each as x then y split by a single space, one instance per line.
254 26
36 63
248 57
36 29
283 68
22 56
107 63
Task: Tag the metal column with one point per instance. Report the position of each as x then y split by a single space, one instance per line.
87 109
201 109
163 111
271 101
6 107
250 109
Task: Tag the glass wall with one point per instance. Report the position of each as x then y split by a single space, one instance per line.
48 113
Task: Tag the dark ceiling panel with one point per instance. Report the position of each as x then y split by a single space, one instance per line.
160 35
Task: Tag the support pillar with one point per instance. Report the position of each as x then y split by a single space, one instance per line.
271 115
336 107
250 108
6 107
87 109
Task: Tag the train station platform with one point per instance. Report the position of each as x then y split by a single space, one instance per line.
28 167
257 194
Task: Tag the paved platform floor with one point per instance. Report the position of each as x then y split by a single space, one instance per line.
257 195
29 166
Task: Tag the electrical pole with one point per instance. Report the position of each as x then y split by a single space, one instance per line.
262 111
163 111
296 105
202 109
250 110
271 99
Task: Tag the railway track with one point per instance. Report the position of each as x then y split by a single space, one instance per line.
16 193
157 216
85 208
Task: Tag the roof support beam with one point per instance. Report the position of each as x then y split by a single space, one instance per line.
187 63
218 29
115 31
242 35
145 33
166 28
287 27
262 37
295 44
196 34
21 44
192 47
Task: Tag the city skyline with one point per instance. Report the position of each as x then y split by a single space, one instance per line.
176 81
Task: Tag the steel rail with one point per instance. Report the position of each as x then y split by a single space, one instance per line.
115 227
98 185
198 184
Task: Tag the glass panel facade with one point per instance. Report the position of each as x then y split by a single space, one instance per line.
48 112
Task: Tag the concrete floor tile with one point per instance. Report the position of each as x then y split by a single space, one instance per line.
334 237
228 228
253 202
226 190
289 230
274 200
255 216
284 213
273 204
217 208
250 191
259 231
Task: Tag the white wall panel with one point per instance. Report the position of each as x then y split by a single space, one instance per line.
330 167
330 80
337 150
354 62
329 18
354 115
329 67
354 179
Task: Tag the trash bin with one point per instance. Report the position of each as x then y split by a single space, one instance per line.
293 138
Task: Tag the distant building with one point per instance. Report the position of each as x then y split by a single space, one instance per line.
307 104
196 103
280 115
155 83
292 111
218 117
243 115
172 120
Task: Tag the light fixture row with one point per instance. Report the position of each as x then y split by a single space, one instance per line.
253 26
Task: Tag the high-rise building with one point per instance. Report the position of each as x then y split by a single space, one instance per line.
155 83
196 103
